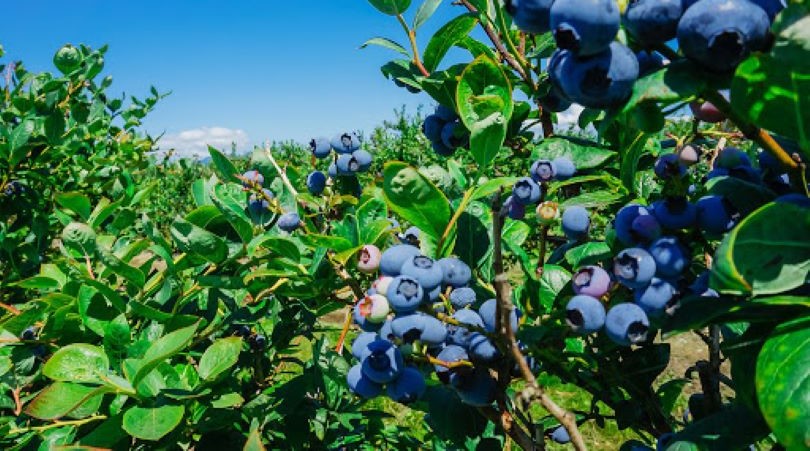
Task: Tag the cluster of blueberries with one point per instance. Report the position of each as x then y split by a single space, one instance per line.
654 264
400 315
445 132
529 190
593 70
349 159
13 188
258 204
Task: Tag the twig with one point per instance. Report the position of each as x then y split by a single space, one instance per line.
10 308
57 424
515 432
18 407
340 270
504 308
415 48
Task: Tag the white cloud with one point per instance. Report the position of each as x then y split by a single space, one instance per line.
570 117
194 143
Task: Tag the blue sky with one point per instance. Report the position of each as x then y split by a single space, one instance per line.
238 70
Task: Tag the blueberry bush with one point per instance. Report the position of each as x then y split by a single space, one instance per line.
425 285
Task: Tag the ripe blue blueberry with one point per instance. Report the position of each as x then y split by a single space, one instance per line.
289 222
419 326
432 128
627 324
446 114
361 385
453 136
585 314
455 273
450 354
623 222
649 62
526 191
669 166
564 168
560 435
382 361
28 334
604 80
652 22
656 297
585 27
441 149
332 171
347 165
360 344
771 7
531 16
675 213
410 236
475 388
460 335
591 280
487 311
482 349
258 205
408 387
462 297
316 182
345 142
405 294
320 147
426 271
555 101
645 229
715 215
543 171
671 258
395 256
576 223
634 267
363 159
719 34
252 178
514 209
730 158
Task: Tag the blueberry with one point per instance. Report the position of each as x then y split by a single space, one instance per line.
455 273
560 435
405 294
360 317
526 191
460 335
715 215
432 128
585 314
604 80
241 330
446 114
675 213
634 267
671 258
252 178
771 7
564 168
555 101
462 297
649 62
361 385
669 166
706 112
363 159
626 324
257 342
419 326
482 349
369 259
316 182
576 222
386 331
410 236
730 158
652 22
543 171
487 311
769 163
360 344
515 210
591 280
382 361
347 164
531 16
258 205
332 170
475 388
655 297
585 27
28 334
645 229
623 223
320 147
717 172
408 387
395 256
345 143
453 136
450 354
289 222
719 34
427 272
441 149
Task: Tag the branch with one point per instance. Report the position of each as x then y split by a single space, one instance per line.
415 48
504 308
505 421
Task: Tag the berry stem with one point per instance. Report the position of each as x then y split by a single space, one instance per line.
415 48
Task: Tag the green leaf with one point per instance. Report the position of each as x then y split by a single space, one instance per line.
219 357
552 282
734 427
474 236
676 82
783 385
132 275
152 423
483 91
413 197
584 154
165 347
486 138
230 201
195 240
447 36
767 253
588 254
697 312
75 202
630 159
77 362
426 9
387 43
391 7
18 140
62 398
744 196
226 169
254 441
